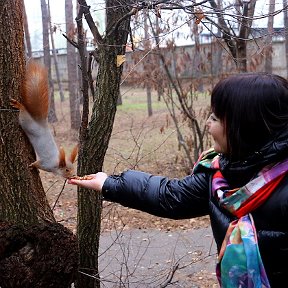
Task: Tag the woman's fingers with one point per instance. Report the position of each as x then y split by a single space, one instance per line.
92 181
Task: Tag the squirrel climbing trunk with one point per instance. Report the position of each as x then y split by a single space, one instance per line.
33 118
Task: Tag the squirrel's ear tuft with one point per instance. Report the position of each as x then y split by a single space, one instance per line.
73 154
62 162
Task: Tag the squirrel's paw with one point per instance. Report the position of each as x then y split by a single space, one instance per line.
34 165
16 104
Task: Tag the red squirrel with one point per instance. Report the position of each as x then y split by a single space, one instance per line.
33 118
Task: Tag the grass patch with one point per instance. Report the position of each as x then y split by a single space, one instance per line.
126 106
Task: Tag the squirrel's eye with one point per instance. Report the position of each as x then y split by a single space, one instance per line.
67 170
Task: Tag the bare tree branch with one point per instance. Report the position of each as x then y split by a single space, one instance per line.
72 42
86 12
85 85
170 276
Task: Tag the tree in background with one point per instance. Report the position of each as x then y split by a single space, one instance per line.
269 39
54 53
237 34
35 251
147 63
27 34
187 92
72 68
47 59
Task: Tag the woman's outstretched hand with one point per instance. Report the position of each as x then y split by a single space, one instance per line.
93 181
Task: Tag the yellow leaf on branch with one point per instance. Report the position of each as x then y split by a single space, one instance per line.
120 60
199 14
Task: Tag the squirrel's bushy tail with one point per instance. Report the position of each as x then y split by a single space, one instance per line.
35 94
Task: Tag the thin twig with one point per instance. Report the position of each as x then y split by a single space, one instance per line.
170 276
72 42
86 12
59 195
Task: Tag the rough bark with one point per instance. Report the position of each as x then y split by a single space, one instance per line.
22 198
27 226
42 255
94 140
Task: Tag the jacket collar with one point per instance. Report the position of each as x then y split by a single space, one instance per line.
242 171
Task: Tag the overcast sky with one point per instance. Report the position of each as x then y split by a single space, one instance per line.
33 10
57 7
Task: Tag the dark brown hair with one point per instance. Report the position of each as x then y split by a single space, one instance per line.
253 108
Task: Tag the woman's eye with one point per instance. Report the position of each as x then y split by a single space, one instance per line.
213 117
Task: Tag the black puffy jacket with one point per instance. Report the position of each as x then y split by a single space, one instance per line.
191 197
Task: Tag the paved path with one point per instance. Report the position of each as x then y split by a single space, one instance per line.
144 258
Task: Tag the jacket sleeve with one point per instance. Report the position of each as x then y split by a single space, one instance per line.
160 196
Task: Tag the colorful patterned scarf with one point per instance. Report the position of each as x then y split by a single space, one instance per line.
240 263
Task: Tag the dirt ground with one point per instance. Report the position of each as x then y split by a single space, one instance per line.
138 142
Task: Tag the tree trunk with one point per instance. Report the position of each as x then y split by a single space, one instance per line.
147 64
47 59
159 79
95 140
72 68
21 190
216 50
197 61
27 34
30 240
236 45
51 30
245 27
269 38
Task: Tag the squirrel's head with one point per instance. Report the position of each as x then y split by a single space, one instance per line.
66 167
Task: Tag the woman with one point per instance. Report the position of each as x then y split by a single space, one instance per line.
242 183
